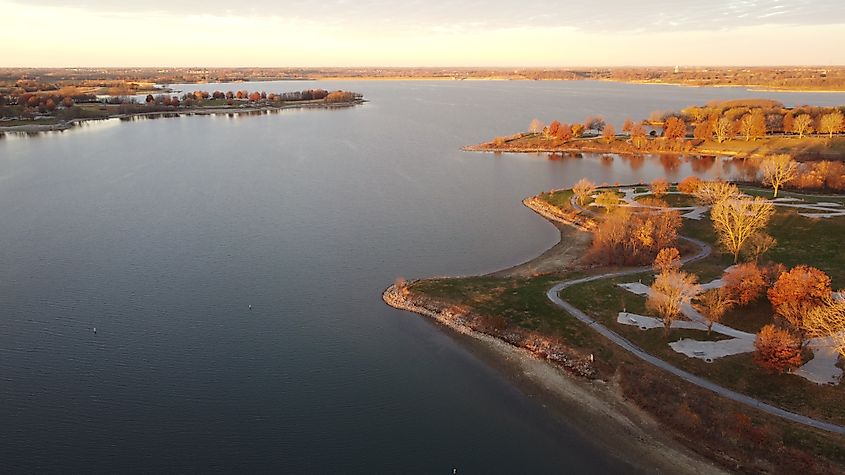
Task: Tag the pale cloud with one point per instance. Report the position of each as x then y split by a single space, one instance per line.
377 33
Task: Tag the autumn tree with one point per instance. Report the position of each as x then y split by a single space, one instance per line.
827 320
627 126
744 283
608 200
67 102
626 237
535 126
753 125
704 130
832 123
736 220
712 192
723 129
778 170
553 129
777 350
788 122
659 187
713 304
638 136
609 133
668 259
689 184
577 130
669 293
674 128
802 125
583 190
255 97
798 291
564 132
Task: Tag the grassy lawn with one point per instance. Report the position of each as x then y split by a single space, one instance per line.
819 146
674 201
522 302
561 199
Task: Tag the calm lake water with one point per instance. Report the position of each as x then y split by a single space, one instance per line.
161 233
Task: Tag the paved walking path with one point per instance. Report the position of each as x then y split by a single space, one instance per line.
554 295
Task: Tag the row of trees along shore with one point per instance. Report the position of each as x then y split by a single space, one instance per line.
29 105
801 298
719 121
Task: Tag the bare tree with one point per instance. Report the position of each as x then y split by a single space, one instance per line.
583 189
712 192
713 304
832 123
535 126
778 170
803 125
723 129
736 220
828 321
669 292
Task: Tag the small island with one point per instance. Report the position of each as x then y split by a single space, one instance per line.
709 306
60 109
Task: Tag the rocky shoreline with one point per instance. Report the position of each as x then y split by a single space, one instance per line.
531 343
590 405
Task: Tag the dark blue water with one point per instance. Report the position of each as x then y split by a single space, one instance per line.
160 233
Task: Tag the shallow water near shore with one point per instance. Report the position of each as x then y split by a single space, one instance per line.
162 232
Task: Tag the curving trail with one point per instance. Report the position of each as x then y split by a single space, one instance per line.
705 249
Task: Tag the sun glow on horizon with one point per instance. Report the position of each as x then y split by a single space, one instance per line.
43 34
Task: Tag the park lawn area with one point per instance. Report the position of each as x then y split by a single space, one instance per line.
604 299
815 146
806 197
673 200
815 242
561 198
522 302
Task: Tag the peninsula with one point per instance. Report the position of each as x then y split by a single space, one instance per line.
39 111
741 128
731 341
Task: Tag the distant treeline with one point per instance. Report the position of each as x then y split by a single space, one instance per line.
63 103
812 78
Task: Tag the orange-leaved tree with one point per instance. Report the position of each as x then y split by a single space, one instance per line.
744 283
777 350
668 259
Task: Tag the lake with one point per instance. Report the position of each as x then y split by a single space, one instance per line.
160 233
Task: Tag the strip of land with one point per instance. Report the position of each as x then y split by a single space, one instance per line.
48 125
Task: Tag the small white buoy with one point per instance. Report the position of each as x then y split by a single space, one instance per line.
95 330
250 307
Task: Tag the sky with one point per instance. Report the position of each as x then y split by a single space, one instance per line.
401 33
